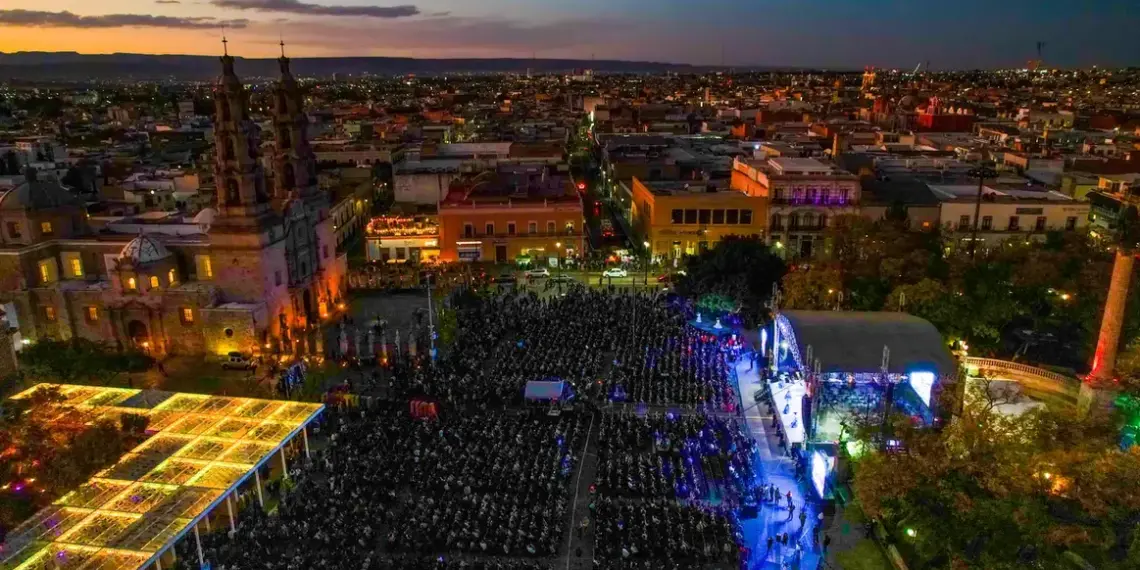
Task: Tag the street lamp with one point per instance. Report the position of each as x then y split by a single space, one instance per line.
981 172
558 248
647 256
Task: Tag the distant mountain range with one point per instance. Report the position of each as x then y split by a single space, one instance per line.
70 66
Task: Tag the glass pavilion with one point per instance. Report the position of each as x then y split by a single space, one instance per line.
201 449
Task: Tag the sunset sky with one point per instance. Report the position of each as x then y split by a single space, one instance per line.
826 33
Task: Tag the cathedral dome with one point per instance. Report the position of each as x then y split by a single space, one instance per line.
143 249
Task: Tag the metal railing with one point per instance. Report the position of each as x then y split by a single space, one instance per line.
1033 371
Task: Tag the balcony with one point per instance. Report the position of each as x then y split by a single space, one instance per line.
830 201
562 234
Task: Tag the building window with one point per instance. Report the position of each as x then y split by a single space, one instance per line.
468 231
490 229
690 216
550 227
14 230
746 217
569 228
47 270
76 266
277 278
678 216
205 267
987 222
132 285
187 315
49 313
777 222
704 217
1014 223
45 228
510 228
92 314
1039 225
732 217
1071 223
401 253
172 277
154 282
532 228
718 217
228 332
963 223
823 221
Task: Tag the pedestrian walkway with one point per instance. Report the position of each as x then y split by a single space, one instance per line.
775 468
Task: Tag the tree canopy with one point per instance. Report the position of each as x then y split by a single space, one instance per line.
737 267
1039 300
48 449
992 491
79 361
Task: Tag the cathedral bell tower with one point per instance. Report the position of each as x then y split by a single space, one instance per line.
294 164
242 198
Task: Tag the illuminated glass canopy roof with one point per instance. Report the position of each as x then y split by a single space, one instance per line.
201 448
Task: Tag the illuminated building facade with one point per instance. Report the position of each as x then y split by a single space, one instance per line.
512 212
396 239
686 218
250 275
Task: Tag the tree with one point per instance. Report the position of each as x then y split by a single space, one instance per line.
991 491
815 288
742 268
79 361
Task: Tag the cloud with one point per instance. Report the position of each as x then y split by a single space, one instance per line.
298 7
36 19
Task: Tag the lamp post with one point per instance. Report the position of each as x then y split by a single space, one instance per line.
981 172
647 256
558 249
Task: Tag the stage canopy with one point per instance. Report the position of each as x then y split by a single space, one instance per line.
545 390
852 341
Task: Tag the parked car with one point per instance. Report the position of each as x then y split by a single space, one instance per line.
238 361
538 272
562 279
505 278
615 272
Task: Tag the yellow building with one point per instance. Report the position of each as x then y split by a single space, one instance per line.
681 218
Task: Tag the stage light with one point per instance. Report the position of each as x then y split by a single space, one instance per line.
922 382
820 469
911 532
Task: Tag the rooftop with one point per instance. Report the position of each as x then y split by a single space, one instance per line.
199 450
853 341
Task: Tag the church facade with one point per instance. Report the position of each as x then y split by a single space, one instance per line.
256 274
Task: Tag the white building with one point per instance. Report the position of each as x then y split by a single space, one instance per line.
1007 213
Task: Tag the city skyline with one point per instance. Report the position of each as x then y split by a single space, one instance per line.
820 33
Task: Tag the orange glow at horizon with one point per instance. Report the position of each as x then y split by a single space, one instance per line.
120 40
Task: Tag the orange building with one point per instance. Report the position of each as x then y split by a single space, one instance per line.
515 211
681 218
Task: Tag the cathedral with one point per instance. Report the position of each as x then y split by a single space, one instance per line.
255 274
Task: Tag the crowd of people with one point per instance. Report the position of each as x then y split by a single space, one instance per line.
486 483
699 459
395 491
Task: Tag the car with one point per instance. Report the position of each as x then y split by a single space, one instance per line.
669 277
562 279
238 361
615 272
538 272
505 278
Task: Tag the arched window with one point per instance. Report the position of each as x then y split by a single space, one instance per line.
822 221
794 221
777 222
154 282
172 277
132 285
